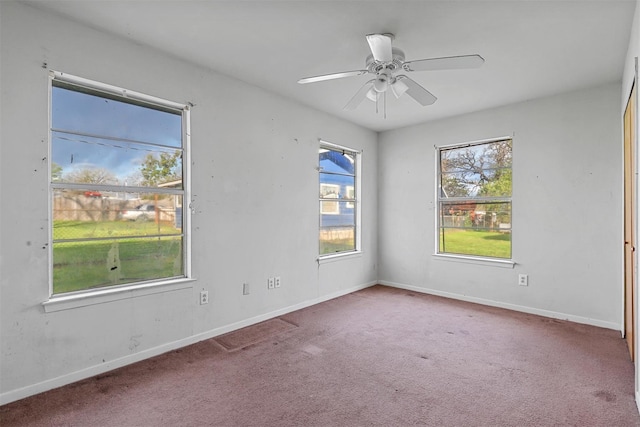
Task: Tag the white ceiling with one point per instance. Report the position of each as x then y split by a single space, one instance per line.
531 48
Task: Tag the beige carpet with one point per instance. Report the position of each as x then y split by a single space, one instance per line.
377 357
253 334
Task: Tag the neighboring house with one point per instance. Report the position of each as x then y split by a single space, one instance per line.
177 201
338 184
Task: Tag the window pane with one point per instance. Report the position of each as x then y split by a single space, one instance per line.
479 170
90 264
478 226
470 228
337 240
106 231
475 242
338 200
78 111
337 227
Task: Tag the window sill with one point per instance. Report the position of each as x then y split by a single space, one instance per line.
71 301
493 262
338 257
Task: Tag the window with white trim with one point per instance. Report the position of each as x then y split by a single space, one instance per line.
339 199
119 173
474 199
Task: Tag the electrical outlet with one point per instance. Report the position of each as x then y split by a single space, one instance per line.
245 289
204 297
271 283
277 281
523 279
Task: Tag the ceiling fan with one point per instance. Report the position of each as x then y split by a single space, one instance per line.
384 62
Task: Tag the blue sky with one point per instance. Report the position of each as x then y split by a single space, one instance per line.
87 114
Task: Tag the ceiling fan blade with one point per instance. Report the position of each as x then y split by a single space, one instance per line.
380 45
332 76
417 92
359 96
446 63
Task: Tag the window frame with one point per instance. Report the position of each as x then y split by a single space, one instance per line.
355 203
66 300
452 256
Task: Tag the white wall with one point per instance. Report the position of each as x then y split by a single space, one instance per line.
632 53
254 195
567 207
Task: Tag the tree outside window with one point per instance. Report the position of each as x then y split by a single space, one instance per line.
474 199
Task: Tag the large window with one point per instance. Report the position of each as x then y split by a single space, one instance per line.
474 199
118 179
339 207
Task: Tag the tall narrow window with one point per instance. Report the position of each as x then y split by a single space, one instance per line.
474 199
339 207
117 184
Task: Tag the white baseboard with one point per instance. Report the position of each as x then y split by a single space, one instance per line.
30 390
515 307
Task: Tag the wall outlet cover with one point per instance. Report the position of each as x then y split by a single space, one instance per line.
523 280
204 297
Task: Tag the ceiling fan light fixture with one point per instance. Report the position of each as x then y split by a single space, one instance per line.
372 94
398 88
381 84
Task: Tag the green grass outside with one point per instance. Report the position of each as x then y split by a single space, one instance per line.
471 242
333 246
93 229
85 264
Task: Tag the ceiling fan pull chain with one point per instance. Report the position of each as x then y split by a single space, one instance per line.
384 107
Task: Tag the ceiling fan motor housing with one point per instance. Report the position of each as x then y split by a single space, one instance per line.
374 67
